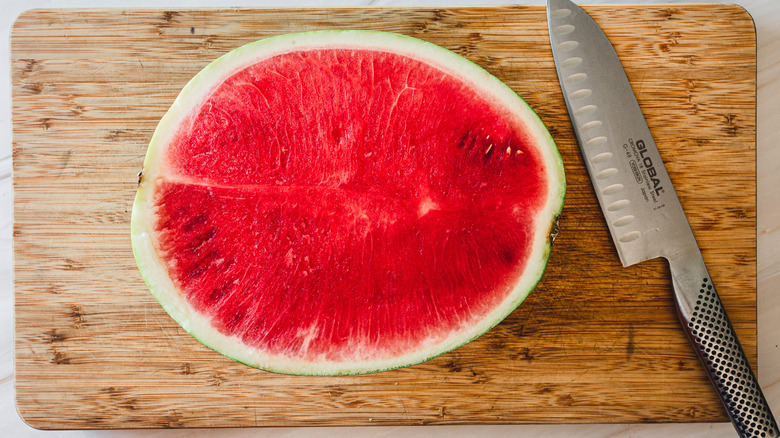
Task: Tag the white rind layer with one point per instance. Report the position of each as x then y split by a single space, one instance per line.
154 271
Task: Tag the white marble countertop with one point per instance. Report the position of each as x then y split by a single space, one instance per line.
766 14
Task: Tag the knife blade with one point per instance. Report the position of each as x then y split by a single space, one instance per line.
643 214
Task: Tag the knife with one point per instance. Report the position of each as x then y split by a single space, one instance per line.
641 208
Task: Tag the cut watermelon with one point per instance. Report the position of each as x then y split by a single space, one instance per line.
345 202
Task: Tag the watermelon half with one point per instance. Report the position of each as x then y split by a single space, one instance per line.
345 202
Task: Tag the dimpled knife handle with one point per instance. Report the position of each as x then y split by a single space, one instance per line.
716 344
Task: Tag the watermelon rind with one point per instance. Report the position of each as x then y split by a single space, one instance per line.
153 268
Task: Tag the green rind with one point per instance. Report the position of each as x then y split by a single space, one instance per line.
201 84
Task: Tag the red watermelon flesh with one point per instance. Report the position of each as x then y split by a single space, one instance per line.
346 205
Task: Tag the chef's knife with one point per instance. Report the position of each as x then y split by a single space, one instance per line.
644 216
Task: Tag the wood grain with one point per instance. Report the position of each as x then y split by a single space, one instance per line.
594 342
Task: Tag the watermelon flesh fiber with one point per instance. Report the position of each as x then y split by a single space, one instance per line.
346 205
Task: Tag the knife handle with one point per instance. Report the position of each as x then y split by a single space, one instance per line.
716 344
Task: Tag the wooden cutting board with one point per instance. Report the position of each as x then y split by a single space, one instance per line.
594 343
